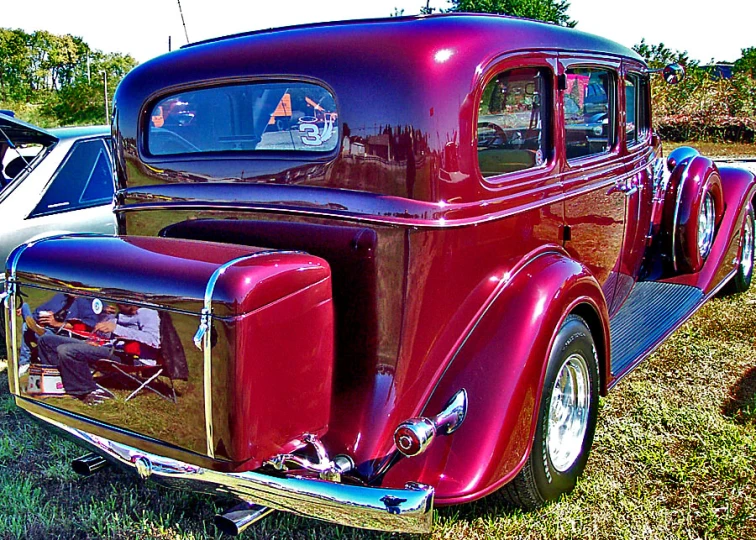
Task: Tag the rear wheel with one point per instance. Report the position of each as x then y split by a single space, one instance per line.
741 281
566 420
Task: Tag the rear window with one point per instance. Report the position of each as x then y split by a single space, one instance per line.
280 116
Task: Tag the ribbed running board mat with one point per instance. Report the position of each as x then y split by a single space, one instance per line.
650 311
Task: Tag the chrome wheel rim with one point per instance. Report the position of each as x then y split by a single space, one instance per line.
746 258
568 413
706 225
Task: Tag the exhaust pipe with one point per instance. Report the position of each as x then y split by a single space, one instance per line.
88 464
236 520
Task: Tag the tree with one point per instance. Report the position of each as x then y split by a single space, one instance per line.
746 64
554 11
45 77
657 56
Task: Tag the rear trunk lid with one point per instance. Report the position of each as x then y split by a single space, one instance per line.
245 338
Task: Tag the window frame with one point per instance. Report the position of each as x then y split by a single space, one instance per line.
77 205
545 61
143 129
642 105
613 69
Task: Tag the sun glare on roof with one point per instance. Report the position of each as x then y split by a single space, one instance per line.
443 55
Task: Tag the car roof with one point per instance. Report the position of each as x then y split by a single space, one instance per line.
519 32
392 70
80 132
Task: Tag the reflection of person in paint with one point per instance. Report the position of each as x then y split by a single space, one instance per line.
61 313
133 328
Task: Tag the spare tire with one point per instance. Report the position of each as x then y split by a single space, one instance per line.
694 206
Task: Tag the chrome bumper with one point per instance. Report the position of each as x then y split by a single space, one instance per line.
401 510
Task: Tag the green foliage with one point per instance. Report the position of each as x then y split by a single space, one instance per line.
746 64
554 11
55 80
658 56
702 106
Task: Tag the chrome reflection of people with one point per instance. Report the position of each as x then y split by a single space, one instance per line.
135 331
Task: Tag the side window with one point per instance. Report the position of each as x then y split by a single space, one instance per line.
637 108
84 179
513 121
631 110
589 112
99 186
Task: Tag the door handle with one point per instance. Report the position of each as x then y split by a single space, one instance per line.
626 186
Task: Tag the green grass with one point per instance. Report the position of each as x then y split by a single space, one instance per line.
674 457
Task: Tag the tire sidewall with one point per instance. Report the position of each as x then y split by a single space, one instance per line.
574 336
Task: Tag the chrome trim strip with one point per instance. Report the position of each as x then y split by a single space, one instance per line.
414 222
386 509
204 337
10 335
11 328
378 219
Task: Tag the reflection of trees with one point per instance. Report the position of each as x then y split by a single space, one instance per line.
392 160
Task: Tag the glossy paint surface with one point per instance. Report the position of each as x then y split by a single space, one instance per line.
146 270
272 317
441 279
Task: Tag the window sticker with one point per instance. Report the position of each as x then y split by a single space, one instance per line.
310 131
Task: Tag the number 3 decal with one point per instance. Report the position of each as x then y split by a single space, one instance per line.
310 134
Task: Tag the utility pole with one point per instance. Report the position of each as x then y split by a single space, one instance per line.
107 109
169 44
182 21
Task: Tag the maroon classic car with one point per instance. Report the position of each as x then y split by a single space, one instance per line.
368 267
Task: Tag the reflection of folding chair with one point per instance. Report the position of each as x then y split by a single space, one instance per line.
170 363
143 375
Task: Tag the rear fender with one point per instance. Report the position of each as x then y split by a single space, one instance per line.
502 365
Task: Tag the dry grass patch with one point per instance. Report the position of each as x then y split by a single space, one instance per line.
716 149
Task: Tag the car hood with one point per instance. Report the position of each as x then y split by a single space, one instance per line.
20 132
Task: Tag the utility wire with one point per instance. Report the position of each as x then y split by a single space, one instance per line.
183 21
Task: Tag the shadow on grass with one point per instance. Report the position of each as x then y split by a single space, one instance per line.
741 405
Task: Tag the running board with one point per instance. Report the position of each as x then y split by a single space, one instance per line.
651 312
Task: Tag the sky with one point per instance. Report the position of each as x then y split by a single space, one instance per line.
142 27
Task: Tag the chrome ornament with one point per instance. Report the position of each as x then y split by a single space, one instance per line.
327 469
412 437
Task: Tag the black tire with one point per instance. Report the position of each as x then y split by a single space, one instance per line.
741 281
540 481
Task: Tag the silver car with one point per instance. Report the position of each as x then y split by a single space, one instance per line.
53 182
